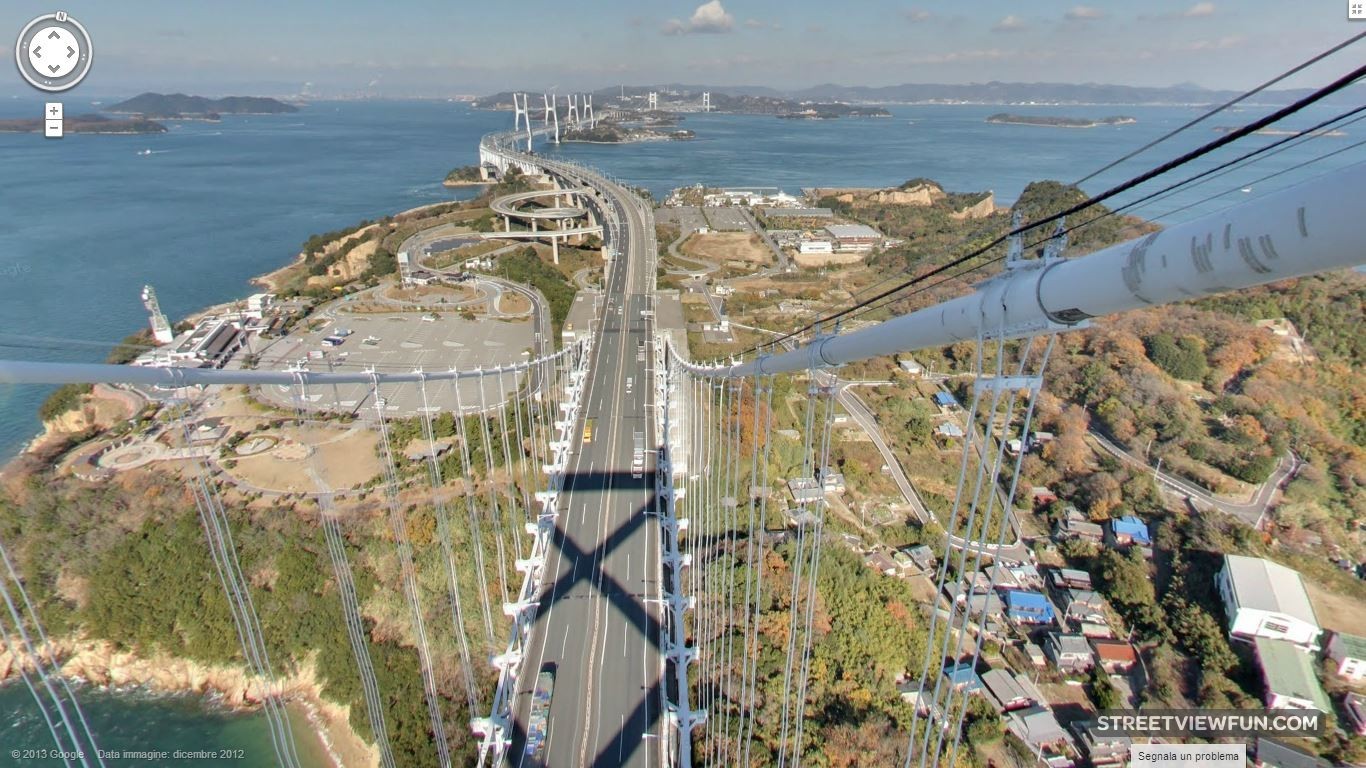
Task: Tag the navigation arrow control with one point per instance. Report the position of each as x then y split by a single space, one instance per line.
54 52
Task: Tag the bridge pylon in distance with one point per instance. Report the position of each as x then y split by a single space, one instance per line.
653 101
552 114
588 109
706 101
572 117
521 108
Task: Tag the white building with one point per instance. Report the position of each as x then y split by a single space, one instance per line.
1266 599
815 246
1348 655
258 303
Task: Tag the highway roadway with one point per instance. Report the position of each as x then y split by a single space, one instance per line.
598 617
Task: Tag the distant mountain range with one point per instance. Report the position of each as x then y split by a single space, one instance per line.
178 105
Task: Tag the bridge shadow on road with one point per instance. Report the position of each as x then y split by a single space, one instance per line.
628 603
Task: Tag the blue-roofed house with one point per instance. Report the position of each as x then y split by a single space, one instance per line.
944 400
1129 530
963 677
1028 607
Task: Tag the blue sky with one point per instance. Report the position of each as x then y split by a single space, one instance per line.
430 48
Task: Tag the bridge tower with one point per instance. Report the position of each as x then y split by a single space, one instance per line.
551 114
588 109
522 111
706 101
161 327
572 116
654 101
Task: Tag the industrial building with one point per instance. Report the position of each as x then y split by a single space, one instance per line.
854 238
1266 599
1288 673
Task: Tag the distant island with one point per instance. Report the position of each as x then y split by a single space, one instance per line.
94 124
833 111
1059 122
611 133
178 106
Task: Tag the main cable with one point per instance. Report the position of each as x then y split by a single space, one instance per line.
1224 140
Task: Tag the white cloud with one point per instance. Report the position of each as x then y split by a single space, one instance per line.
709 18
1010 23
1198 10
917 15
1084 13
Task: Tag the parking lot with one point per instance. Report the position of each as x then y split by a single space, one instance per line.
725 219
688 217
398 342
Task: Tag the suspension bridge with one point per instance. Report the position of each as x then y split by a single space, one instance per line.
624 558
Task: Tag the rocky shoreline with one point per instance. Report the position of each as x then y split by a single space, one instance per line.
99 663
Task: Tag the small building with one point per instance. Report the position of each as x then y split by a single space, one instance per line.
1116 657
1128 531
208 432
810 246
910 366
880 562
948 430
804 490
1101 749
1009 691
1037 727
1024 576
1354 704
1082 606
904 564
1070 578
923 557
1069 653
258 303
985 607
423 277
1348 655
1089 629
1274 754
1042 495
1266 599
1034 653
1027 607
963 677
1288 674
945 400
1080 529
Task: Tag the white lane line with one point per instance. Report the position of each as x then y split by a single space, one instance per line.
564 645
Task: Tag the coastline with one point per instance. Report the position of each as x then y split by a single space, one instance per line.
97 663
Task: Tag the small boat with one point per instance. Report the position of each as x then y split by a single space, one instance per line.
144 152
1247 189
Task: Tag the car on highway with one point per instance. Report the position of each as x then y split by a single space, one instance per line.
588 431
